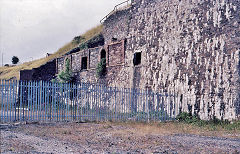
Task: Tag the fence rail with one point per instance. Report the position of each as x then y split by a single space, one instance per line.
117 7
47 101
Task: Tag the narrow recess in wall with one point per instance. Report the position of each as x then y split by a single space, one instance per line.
137 58
103 54
84 63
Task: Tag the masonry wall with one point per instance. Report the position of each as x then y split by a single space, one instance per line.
25 75
188 47
115 60
45 72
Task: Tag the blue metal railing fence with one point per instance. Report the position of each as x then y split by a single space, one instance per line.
47 101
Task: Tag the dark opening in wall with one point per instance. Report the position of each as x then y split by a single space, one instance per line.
103 54
84 63
137 58
114 39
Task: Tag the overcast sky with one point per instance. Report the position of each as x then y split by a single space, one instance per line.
31 28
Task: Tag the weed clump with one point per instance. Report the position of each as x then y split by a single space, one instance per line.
212 124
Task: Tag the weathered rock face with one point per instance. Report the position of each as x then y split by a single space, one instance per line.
188 47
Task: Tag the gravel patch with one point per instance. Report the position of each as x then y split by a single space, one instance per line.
107 138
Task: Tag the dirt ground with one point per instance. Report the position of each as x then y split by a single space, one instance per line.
115 138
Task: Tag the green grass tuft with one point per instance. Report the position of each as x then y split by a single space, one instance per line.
213 124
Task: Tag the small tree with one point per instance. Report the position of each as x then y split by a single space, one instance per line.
65 76
15 60
101 68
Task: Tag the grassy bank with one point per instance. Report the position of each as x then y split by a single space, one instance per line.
12 72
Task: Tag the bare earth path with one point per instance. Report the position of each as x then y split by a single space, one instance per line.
114 138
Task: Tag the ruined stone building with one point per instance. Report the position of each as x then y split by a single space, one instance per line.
187 47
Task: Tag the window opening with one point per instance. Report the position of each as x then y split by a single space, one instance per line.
137 58
84 63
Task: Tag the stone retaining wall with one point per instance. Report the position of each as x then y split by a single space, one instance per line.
188 47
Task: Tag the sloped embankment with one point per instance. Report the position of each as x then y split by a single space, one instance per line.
12 72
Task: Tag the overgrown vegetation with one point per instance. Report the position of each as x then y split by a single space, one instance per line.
65 76
212 124
101 68
13 71
91 43
78 39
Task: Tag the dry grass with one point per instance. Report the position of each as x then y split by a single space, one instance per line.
92 32
12 72
73 130
171 128
109 137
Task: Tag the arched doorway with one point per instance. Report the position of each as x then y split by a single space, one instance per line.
101 67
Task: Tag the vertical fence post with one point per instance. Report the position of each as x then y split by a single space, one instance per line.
93 102
28 103
45 100
31 100
76 101
96 102
48 103
37 100
73 110
100 102
11 100
121 102
57 101
41 99
115 109
90 101
64 102
20 99
148 118
15 102
67 98
166 110
53 100
80 104
1 105
155 112
142 110
34 99
6 94
75 93
4 100
124 104
60 102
